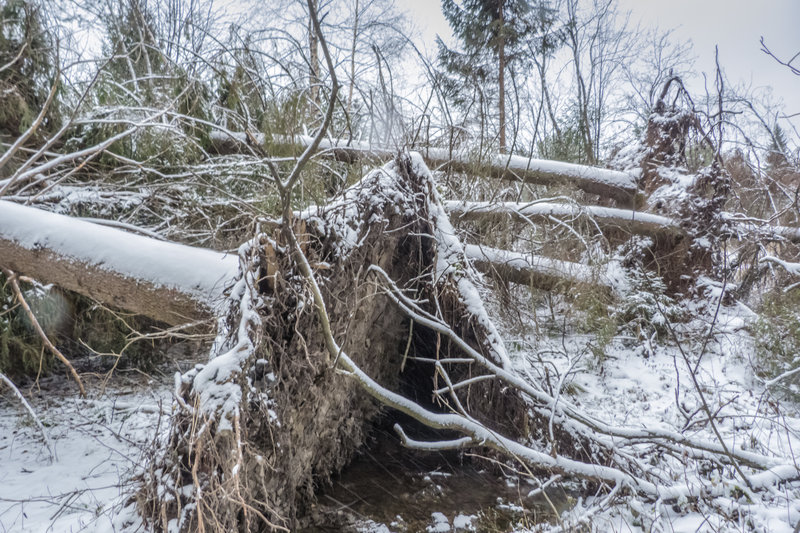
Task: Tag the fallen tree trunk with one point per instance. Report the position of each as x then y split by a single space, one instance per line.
625 220
536 271
169 282
235 142
614 219
177 284
606 183
617 185
760 230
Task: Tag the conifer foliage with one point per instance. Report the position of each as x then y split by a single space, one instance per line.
491 33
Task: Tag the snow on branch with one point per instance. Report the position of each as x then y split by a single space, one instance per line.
216 382
541 272
571 415
791 268
757 229
632 221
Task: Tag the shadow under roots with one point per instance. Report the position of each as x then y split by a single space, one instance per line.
387 483
401 488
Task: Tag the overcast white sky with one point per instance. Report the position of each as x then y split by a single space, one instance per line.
735 25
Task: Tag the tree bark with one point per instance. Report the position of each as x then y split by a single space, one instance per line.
313 65
353 59
606 218
501 79
536 271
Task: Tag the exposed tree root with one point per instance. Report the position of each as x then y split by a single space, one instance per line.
319 337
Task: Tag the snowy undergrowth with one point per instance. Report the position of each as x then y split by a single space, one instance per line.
652 389
626 387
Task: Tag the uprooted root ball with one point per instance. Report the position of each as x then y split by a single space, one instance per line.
269 419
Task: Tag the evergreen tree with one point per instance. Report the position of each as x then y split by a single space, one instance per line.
146 71
491 32
778 150
27 68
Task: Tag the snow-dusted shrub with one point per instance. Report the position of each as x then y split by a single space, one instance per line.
26 53
20 348
647 310
597 319
76 325
643 310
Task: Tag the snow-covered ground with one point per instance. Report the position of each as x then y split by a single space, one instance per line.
648 386
98 441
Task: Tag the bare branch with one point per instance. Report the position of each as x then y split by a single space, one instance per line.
32 414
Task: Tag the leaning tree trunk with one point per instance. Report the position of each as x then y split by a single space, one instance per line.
270 418
620 187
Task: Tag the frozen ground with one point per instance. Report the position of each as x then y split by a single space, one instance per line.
647 386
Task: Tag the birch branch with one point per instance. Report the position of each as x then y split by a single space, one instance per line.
12 280
627 220
537 271
32 414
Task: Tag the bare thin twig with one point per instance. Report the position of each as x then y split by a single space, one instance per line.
50 448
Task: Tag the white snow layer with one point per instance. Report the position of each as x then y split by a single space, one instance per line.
100 442
558 210
451 260
219 391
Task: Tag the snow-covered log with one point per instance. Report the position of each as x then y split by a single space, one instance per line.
537 271
606 183
778 233
626 220
611 218
176 284
760 230
781 232
230 142
166 281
